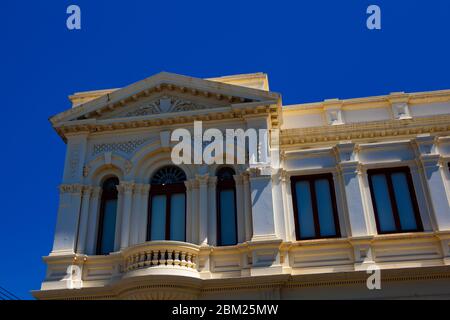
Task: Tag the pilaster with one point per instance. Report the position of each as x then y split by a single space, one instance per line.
68 219
240 208
350 170
433 167
84 219
262 206
92 230
127 194
212 211
247 207
203 208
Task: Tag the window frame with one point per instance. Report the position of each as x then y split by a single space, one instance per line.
311 179
167 190
224 185
393 202
106 196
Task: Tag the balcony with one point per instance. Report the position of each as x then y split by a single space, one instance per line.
158 257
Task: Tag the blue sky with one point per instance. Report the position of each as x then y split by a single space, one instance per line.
312 50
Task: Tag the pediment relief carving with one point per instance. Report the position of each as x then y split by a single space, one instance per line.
158 105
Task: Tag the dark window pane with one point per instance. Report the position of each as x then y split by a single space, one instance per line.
383 203
177 217
325 208
227 217
158 223
305 210
404 202
109 226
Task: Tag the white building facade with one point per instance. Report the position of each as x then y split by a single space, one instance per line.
363 184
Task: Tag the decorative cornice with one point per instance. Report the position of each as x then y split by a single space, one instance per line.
267 108
366 130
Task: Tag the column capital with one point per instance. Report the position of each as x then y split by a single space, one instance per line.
345 151
191 184
126 186
202 179
212 181
350 167
87 190
71 188
426 144
431 160
96 191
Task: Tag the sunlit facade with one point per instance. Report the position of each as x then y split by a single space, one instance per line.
362 183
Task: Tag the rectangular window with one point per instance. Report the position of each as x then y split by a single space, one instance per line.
315 210
177 217
227 218
109 226
394 200
158 218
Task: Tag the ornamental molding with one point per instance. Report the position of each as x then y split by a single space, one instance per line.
367 130
127 147
163 104
270 109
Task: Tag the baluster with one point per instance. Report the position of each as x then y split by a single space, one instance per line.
141 259
148 258
127 264
183 259
136 259
177 258
194 261
163 257
155 257
169 257
189 262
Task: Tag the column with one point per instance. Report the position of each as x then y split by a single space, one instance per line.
143 220
194 211
136 214
84 218
212 211
434 177
262 206
240 208
247 207
278 203
68 218
188 185
203 208
351 174
127 193
91 242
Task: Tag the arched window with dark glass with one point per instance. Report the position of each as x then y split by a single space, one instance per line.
226 208
108 215
167 205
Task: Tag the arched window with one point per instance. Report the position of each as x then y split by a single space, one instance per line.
226 208
108 214
167 205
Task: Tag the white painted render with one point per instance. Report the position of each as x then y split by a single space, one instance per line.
125 132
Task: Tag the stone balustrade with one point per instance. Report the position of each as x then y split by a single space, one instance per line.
161 253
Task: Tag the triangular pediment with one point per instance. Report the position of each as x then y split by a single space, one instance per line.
164 102
161 94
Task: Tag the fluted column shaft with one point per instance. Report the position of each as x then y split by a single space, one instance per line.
127 193
203 209
212 211
84 218
92 230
